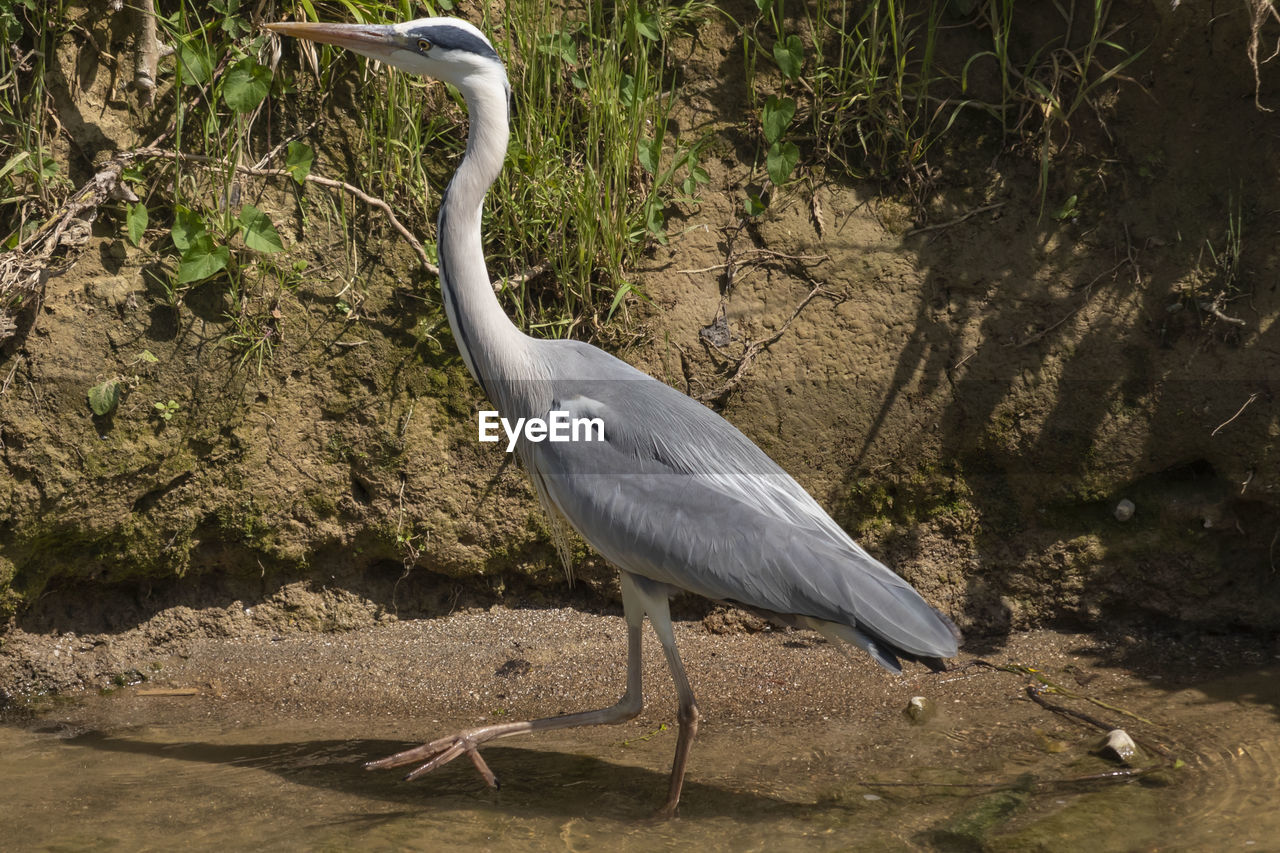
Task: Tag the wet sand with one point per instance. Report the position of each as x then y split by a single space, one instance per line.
795 735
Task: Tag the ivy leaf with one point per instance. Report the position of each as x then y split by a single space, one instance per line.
135 221
627 90
649 154
187 228
246 84
776 117
789 55
647 25
197 67
754 205
781 160
696 178
259 234
202 259
298 161
560 44
655 220
104 398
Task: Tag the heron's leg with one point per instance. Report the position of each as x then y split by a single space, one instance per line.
659 611
445 749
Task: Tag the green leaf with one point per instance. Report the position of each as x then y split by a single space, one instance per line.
764 5
781 160
753 204
618 296
627 90
776 117
196 65
649 153
560 44
259 234
789 55
104 398
148 356
187 228
135 221
14 162
647 25
202 259
655 220
298 161
246 84
1068 210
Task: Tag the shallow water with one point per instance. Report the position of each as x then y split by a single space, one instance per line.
133 772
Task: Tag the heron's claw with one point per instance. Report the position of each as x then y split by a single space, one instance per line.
437 753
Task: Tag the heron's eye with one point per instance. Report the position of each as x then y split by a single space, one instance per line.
424 45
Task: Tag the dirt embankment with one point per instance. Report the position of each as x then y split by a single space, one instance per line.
975 386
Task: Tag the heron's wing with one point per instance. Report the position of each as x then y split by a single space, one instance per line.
676 493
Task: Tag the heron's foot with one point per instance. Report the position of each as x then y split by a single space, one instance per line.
666 812
440 752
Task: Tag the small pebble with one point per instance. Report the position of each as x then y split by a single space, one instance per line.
919 709
1125 510
1117 746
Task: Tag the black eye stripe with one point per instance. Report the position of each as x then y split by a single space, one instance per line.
446 37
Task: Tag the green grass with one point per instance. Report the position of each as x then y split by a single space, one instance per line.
32 181
879 84
862 89
591 166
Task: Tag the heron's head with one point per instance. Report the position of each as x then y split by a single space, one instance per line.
448 49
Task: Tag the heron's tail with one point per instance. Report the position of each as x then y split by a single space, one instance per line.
881 651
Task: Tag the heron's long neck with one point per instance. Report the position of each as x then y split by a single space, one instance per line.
495 351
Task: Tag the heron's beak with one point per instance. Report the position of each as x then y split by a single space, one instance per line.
372 40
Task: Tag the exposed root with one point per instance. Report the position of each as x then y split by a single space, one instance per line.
24 271
350 189
1214 308
149 53
1262 10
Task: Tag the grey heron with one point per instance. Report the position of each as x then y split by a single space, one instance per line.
674 496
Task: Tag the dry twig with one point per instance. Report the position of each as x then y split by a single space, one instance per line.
756 347
1239 411
941 225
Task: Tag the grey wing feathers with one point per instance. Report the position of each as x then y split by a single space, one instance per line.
677 494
